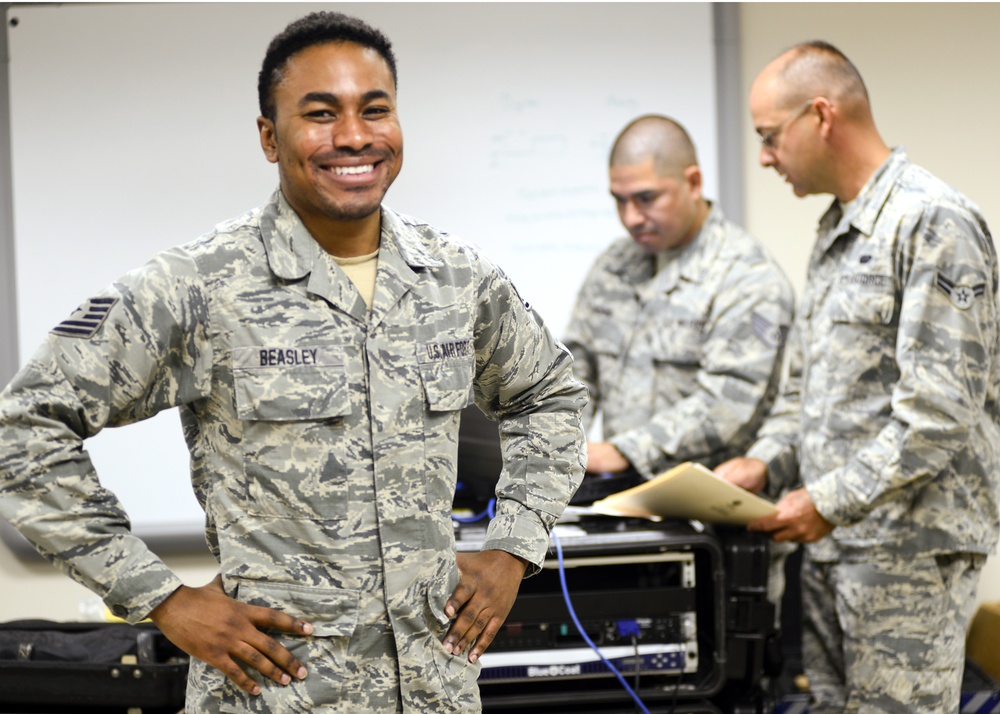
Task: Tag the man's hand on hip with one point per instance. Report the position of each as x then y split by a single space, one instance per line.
208 624
482 599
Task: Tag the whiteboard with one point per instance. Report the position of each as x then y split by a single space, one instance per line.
133 130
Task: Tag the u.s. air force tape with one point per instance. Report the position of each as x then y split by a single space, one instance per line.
446 349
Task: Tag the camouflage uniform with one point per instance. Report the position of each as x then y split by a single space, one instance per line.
890 416
322 440
684 362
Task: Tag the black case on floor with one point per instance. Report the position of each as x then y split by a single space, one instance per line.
86 668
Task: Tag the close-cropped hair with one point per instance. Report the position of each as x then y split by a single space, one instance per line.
834 64
658 137
316 28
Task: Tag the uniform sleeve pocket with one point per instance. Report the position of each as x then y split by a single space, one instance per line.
290 384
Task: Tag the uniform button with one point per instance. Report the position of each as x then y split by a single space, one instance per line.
119 611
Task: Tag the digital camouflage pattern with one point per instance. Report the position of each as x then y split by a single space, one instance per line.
684 362
896 632
890 415
323 444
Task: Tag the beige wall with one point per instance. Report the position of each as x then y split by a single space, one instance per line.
33 589
933 73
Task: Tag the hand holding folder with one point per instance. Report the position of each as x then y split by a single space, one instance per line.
689 491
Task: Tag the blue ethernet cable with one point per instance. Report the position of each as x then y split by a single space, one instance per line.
488 514
579 627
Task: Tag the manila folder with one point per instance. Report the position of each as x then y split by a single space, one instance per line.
689 491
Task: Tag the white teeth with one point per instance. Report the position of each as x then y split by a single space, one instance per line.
351 170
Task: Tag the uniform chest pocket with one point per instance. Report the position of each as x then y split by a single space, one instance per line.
850 305
289 384
676 358
447 370
293 403
677 344
609 335
855 354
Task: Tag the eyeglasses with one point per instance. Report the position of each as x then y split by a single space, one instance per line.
769 139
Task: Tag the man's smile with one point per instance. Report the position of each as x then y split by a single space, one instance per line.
352 170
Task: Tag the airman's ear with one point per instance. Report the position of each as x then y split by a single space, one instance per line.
692 174
268 139
827 114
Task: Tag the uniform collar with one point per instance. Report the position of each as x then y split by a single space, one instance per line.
402 233
692 262
293 254
865 209
292 251
402 260
876 192
689 263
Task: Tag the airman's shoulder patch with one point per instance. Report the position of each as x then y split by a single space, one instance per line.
87 319
770 334
962 296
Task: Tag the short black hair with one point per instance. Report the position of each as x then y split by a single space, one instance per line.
316 28
656 137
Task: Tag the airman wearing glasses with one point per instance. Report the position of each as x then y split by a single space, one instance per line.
887 429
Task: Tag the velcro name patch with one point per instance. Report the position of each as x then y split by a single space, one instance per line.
285 357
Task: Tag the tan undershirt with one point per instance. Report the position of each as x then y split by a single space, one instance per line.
361 271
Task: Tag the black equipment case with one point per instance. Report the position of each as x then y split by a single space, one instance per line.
85 668
650 595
